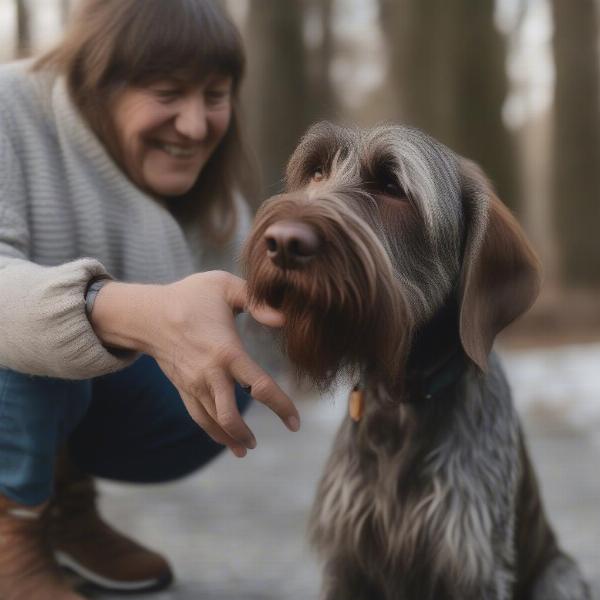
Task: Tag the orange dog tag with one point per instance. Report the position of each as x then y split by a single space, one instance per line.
356 404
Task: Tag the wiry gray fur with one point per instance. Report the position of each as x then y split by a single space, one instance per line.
448 524
429 498
426 170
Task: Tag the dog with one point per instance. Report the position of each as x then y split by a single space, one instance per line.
394 263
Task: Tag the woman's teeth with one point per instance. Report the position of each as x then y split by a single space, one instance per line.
177 151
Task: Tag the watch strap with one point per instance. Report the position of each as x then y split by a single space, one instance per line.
92 291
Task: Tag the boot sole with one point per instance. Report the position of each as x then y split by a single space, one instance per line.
94 582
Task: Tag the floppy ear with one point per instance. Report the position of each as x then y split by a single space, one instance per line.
501 274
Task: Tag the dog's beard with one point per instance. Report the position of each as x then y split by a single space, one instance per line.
343 311
321 336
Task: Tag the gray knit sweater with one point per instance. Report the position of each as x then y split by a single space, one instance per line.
67 214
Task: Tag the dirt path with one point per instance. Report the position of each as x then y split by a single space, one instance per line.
236 530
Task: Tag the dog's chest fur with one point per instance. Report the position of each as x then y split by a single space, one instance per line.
417 497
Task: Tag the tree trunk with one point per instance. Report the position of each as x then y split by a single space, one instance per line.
278 96
65 10
447 65
576 148
324 101
23 45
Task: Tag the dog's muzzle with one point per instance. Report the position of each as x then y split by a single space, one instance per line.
291 244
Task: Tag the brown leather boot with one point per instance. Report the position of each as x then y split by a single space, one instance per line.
84 544
28 570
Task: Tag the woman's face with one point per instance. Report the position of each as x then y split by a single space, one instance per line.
168 130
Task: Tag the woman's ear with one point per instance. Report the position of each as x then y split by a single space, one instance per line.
501 274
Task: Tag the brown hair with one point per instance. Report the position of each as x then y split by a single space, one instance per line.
113 43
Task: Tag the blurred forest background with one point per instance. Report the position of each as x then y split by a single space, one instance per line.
512 84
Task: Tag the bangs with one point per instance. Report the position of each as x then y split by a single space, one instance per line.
184 37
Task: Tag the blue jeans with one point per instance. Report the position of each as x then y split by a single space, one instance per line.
127 426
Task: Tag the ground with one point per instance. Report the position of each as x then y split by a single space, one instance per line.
236 530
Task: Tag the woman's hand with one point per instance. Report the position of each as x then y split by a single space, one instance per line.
189 328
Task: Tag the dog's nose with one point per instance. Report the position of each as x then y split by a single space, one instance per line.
291 244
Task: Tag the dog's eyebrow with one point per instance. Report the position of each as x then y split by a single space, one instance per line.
382 166
376 158
320 155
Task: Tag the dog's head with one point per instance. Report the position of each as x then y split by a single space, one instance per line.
377 231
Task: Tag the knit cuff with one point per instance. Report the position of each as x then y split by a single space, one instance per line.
45 329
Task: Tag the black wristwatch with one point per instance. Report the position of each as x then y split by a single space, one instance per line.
91 292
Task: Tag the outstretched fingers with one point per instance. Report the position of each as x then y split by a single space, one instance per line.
202 335
202 417
226 411
262 388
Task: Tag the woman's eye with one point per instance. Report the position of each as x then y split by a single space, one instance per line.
217 96
167 94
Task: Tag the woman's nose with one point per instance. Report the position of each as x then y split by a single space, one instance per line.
192 119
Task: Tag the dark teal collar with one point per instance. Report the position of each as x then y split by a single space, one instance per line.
437 360
430 381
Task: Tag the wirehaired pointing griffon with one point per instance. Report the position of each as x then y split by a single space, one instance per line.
393 261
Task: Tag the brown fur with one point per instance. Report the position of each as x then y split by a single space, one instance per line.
431 495
338 311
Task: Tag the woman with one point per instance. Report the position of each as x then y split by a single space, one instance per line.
115 148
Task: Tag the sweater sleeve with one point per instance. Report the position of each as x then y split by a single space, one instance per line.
43 326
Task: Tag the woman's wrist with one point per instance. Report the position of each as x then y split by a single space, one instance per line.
125 314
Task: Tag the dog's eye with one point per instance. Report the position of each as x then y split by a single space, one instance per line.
393 189
318 175
390 187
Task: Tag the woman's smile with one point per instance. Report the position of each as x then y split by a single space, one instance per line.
178 151
167 131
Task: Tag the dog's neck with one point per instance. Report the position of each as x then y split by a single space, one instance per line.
435 364
436 360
